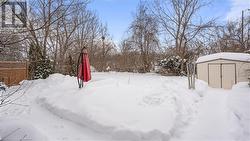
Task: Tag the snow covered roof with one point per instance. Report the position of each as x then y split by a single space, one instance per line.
225 55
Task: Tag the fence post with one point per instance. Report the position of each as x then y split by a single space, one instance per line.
188 75
191 75
194 70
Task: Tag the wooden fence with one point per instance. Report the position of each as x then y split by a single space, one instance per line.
11 72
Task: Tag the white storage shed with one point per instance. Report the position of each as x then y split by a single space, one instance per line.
223 70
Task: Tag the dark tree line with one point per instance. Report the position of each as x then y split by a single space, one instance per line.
58 29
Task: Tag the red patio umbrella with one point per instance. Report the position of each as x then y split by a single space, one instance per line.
83 68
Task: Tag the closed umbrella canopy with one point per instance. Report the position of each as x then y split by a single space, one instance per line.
83 74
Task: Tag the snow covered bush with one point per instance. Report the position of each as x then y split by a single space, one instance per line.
40 67
43 69
172 65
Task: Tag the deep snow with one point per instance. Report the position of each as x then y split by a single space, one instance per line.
127 106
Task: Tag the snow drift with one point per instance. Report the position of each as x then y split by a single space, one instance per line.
124 105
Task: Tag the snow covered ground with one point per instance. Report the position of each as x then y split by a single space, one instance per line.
239 104
224 115
126 106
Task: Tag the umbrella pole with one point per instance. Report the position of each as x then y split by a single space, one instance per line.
82 68
79 80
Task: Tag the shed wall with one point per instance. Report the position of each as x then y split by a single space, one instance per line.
202 71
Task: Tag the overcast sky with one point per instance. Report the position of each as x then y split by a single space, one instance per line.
118 14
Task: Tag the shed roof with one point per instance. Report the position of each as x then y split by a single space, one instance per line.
226 56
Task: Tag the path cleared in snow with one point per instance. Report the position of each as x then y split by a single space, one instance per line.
215 121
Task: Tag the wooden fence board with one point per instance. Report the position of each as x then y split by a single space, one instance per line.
12 73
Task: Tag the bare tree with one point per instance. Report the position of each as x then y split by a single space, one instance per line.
66 27
180 22
12 52
144 30
229 37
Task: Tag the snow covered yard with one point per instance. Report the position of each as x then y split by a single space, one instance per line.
127 106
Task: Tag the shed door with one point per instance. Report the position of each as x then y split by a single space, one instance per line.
228 75
221 75
214 75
